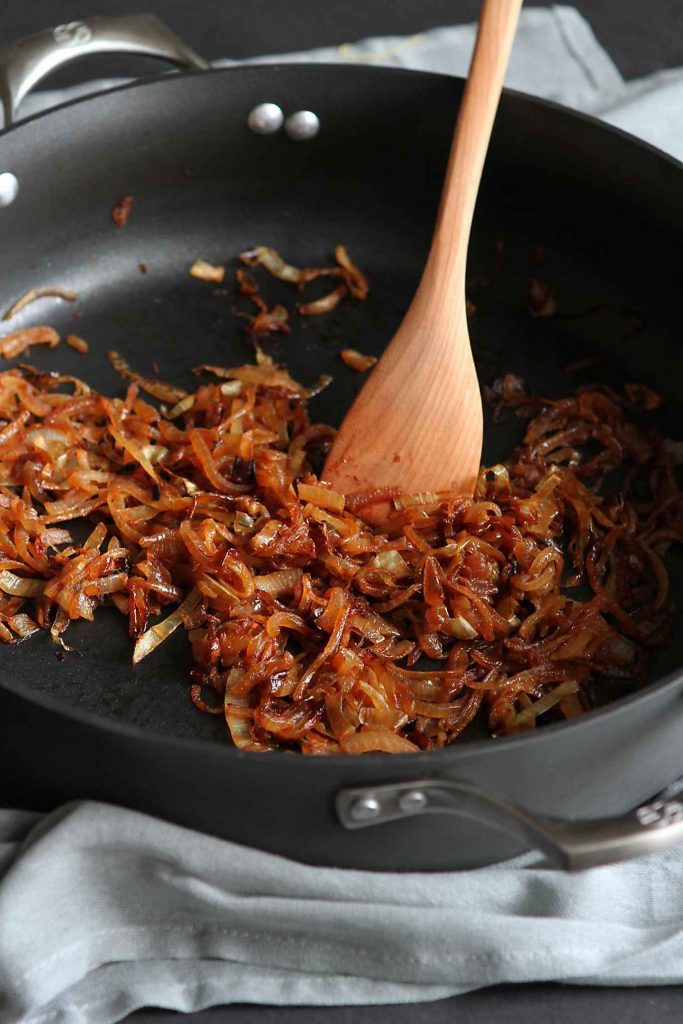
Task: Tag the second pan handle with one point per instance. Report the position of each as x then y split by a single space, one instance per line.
25 63
573 845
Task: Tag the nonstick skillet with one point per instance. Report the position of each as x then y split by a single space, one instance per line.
585 207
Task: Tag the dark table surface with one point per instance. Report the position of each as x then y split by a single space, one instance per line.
641 36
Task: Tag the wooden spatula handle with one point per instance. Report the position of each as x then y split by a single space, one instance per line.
497 25
417 424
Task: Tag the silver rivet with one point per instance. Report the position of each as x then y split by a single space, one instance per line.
266 119
9 188
412 800
302 125
364 808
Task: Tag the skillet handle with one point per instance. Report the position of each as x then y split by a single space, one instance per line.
25 63
572 845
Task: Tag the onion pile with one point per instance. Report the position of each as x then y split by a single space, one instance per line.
308 627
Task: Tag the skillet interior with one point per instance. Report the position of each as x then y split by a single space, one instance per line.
204 186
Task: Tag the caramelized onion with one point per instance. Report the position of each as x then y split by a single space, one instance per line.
41 292
387 742
121 211
307 626
355 360
18 586
157 388
156 635
77 343
324 497
15 344
324 305
207 271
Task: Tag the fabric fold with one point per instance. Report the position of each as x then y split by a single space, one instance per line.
103 910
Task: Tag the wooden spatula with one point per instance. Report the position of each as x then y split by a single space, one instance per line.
417 423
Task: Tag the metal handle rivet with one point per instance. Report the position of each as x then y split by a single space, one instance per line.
74 33
302 125
364 808
265 119
412 800
9 188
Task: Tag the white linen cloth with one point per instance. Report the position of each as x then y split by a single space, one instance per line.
103 911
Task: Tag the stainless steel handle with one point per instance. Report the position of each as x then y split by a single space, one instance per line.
573 845
25 63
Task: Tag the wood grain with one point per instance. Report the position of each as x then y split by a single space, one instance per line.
417 423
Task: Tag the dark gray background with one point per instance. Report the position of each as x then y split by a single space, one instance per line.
642 36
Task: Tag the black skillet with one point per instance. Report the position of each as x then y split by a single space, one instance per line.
607 212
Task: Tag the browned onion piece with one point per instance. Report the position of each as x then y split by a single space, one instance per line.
388 742
356 280
14 344
121 211
542 300
156 388
18 586
324 305
156 635
642 396
355 360
273 263
207 271
324 497
77 343
41 292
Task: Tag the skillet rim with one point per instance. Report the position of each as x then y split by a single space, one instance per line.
424 760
